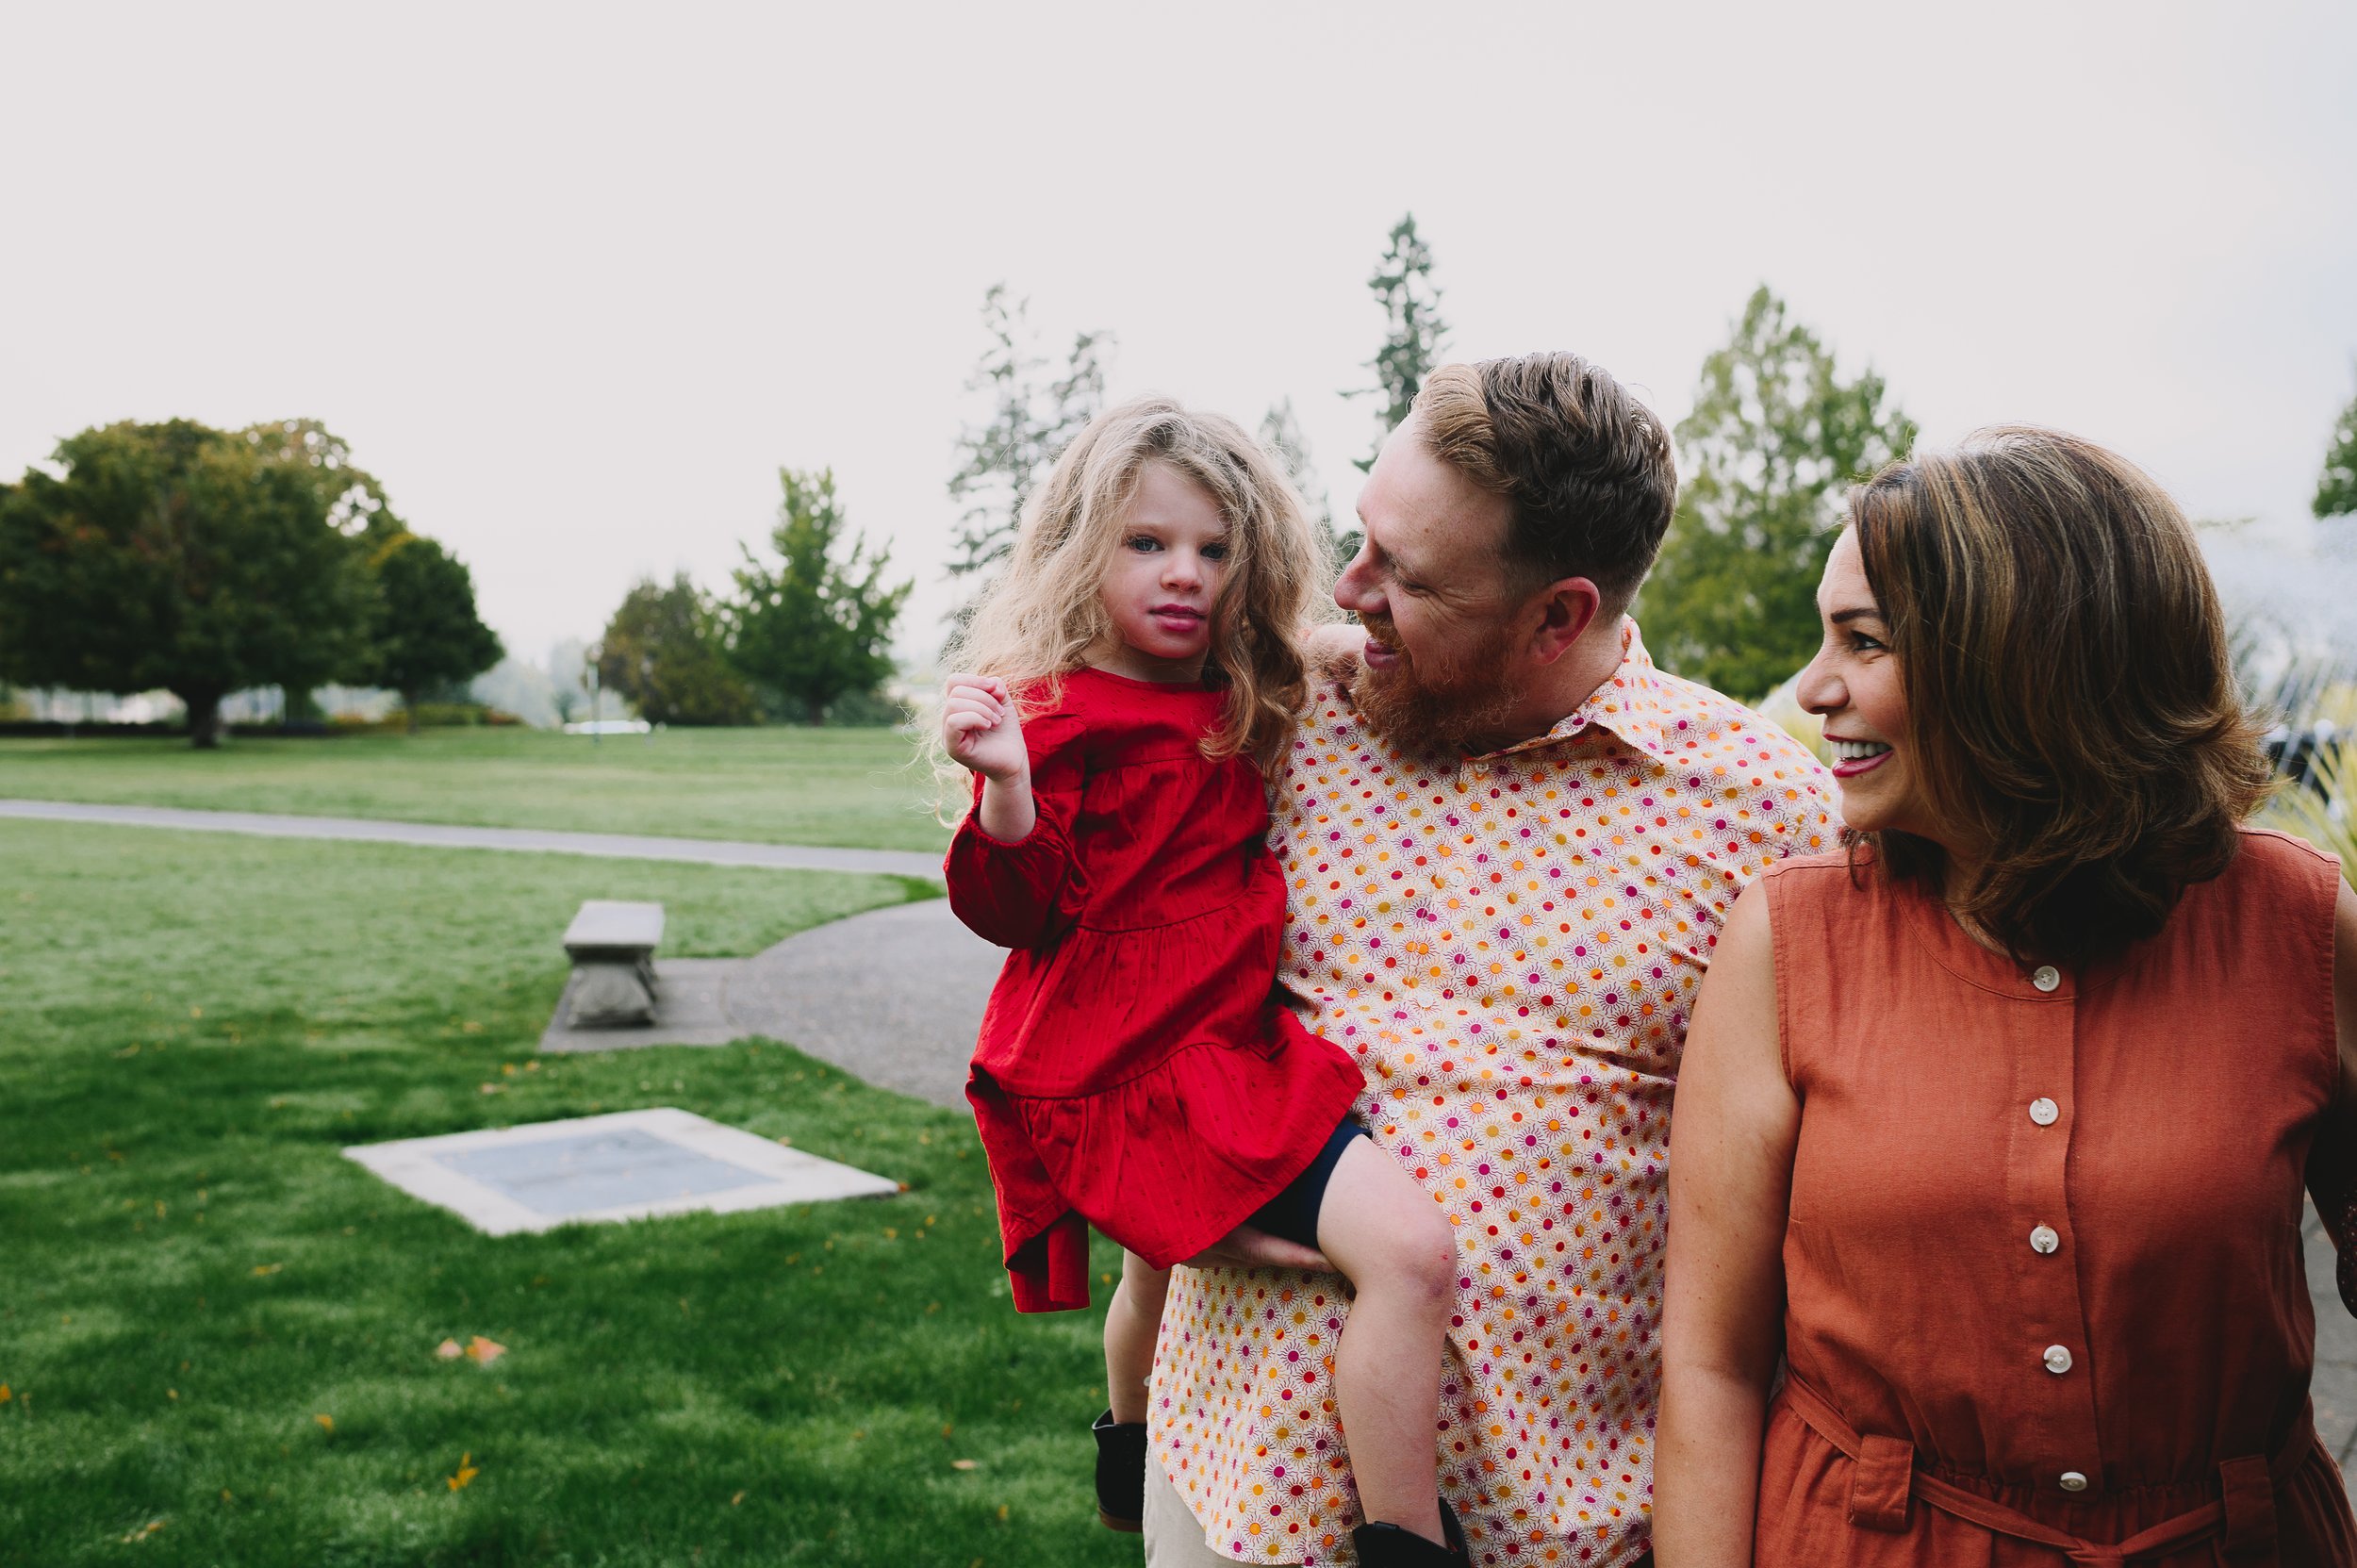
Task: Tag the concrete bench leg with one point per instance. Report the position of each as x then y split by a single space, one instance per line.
606 994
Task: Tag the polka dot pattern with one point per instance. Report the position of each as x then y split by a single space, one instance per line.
1509 947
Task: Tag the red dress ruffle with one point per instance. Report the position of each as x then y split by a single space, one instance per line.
1135 1070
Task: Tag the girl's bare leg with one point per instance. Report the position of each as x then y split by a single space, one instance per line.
1130 1325
1381 1228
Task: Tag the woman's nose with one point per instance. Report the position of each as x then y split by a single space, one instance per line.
1818 689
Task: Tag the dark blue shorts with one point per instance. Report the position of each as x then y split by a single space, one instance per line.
1294 1212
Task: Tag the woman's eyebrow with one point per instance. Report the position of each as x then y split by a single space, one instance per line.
1863 612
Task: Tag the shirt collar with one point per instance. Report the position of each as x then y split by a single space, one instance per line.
1634 703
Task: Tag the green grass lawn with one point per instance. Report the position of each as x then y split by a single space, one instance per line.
777 785
217 1335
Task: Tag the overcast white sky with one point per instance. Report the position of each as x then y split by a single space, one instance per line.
574 281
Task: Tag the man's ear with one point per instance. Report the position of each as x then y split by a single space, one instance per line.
1566 609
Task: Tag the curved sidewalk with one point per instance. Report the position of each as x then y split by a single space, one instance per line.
438 836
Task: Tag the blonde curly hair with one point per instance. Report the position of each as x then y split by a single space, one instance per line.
1037 620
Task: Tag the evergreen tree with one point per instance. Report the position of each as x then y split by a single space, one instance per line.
1030 423
1280 433
1412 330
1775 438
817 625
2336 486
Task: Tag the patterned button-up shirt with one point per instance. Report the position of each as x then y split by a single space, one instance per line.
1510 946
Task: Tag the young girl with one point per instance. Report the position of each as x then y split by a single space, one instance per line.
1132 678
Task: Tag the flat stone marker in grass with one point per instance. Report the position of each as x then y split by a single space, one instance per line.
628 1164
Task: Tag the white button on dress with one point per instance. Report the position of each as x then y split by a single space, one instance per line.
2044 1240
2046 978
2070 1480
2044 1111
2057 1359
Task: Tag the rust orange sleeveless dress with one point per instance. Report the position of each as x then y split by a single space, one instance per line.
2045 1302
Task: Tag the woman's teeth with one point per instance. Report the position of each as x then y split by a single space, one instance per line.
1853 751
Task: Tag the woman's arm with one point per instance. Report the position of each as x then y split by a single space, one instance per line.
2333 1158
1731 1138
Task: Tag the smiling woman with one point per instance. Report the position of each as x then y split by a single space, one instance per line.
1993 1132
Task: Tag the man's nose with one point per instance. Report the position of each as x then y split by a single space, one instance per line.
1354 589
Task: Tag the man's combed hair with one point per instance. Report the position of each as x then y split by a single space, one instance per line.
1037 620
2071 703
1586 464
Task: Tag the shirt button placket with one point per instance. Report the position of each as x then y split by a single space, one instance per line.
2048 1018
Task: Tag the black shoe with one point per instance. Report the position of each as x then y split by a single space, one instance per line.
1389 1546
1120 1473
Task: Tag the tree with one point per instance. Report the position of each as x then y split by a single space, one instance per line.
663 651
424 632
1413 331
173 555
2336 486
815 626
1280 432
356 506
1774 440
1001 459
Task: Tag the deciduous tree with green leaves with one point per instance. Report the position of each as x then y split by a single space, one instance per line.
815 623
1413 332
1774 440
663 651
424 632
2336 486
1030 423
173 556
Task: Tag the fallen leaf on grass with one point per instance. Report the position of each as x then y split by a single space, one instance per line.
964 1464
144 1531
467 1471
738 1498
483 1352
5 1395
326 1421
260 1269
495 1088
450 1350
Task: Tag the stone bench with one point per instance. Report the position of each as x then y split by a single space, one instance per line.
612 943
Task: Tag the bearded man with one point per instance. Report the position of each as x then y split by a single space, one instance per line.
1510 842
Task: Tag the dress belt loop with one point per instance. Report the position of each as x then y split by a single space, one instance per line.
1880 1479
2249 1492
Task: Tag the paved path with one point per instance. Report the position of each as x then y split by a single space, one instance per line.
894 997
614 846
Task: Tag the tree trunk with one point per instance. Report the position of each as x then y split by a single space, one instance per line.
203 719
409 707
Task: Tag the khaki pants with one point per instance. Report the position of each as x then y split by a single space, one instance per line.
1173 1538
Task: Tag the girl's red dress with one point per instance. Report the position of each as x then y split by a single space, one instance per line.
1135 1071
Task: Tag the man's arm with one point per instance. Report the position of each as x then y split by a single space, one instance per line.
1732 1134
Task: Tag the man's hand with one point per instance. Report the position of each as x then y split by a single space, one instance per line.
1248 1248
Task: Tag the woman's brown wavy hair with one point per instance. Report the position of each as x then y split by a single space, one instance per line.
2072 709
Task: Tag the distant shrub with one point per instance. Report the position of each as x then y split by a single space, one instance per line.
462 716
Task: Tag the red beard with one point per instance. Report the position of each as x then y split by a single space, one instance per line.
1440 711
